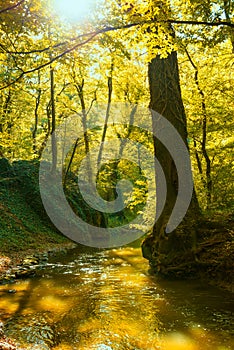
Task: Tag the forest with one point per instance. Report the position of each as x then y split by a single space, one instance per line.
116 149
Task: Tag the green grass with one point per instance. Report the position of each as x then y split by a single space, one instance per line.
24 223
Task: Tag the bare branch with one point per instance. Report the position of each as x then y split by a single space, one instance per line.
125 26
93 34
209 24
48 63
12 7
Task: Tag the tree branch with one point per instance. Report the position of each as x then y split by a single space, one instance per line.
100 31
12 7
48 63
209 24
125 26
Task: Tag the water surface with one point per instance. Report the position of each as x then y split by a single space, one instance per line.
107 300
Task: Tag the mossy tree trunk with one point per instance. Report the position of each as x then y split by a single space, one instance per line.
169 252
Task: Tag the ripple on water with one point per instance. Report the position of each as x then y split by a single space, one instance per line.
106 300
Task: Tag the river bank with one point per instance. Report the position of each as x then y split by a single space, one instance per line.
22 264
27 235
214 254
26 232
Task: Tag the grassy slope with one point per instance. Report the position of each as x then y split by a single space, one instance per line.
23 221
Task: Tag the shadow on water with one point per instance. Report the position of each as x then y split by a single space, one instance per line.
106 300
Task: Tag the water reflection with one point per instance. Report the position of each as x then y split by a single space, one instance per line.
105 300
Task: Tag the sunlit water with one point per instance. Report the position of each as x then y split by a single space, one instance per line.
106 300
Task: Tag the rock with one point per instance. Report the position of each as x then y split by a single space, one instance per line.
6 346
1 329
30 261
9 277
35 330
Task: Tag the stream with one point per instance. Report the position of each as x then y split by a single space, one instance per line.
107 300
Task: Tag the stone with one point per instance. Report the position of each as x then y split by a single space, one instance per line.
6 346
35 329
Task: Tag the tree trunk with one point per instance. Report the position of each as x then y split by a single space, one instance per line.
110 89
208 180
53 123
36 116
228 15
168 250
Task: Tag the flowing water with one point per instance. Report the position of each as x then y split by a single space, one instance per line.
106 300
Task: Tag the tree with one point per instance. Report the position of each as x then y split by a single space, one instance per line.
215 81
167 252
172 252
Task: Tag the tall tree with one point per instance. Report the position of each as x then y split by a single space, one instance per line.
167 251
